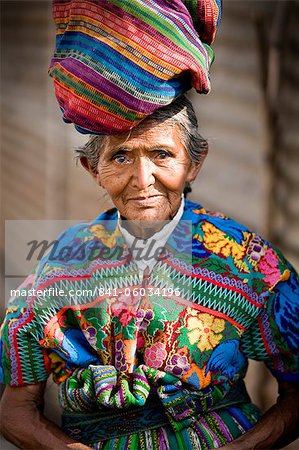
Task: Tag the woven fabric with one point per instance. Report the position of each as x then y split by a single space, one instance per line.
103 428
117 61
112 340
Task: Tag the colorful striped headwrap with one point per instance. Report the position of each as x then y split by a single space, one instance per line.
117 61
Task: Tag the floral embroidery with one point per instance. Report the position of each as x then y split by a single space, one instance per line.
144 317
241 265
197 377
199 211
178 365
58 367
109 240
205 330
120 360
63 321
54 333
91 335
125 308
216 241
269 266
155 355
256 250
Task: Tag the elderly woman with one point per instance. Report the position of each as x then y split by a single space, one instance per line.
161 304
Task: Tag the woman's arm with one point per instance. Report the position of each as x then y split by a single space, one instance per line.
23 424
279 425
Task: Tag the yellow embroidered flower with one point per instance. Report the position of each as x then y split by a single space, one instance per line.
197 237
199 211
191 311
58 367
242 266
216 241
205 330
108 239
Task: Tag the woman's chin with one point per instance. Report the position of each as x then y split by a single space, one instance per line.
147 215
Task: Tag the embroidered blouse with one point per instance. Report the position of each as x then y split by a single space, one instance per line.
218 295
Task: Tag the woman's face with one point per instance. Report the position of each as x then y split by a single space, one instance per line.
145 173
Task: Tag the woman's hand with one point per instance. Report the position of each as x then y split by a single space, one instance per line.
279 425
24 425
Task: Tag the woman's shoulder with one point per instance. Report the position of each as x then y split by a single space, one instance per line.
76 244
82 230
201 215
220 236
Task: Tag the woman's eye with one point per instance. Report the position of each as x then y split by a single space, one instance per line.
162 154
121 159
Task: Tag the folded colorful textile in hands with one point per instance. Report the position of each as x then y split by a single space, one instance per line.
117 61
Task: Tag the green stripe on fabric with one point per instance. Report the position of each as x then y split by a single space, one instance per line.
168 30
207 436
210 52
123 442
172 439
183 439
134 441
230 422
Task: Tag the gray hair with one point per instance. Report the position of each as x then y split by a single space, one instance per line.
179 112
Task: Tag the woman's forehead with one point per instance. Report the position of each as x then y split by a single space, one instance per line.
148 132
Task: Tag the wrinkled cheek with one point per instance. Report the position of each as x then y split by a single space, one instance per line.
111 181
105 172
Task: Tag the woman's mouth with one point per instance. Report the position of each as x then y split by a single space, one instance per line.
146 201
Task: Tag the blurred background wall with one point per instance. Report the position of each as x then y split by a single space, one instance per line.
250 119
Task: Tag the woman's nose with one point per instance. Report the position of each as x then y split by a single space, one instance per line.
143 173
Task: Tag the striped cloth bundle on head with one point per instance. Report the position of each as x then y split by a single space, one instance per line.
117 61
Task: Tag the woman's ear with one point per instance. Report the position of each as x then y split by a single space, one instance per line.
196 166
87 166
